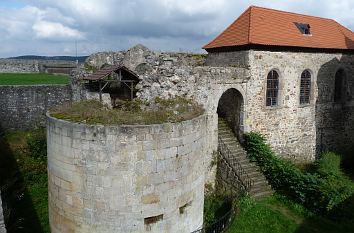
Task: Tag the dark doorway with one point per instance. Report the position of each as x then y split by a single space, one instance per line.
230 108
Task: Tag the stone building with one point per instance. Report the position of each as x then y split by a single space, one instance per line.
301 86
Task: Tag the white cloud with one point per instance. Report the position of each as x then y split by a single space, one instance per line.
49 27
55 31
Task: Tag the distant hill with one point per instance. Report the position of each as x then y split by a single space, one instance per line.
59 58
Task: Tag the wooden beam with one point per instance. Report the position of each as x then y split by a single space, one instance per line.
99 83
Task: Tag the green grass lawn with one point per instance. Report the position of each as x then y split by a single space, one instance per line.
32 79
279 215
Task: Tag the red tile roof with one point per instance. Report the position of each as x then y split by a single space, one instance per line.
262 26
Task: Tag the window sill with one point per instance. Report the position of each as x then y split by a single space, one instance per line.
273 107
304 105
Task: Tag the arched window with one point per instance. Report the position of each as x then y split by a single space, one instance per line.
272 88
338 86
305 87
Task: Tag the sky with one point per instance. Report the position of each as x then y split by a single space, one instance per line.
58 27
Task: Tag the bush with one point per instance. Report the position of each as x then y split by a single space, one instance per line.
215 207
37 144
329 165
319 191
337 187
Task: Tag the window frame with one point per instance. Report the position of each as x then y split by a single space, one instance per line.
305 99
274 88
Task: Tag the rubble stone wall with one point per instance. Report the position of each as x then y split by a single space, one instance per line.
228 59
147 178
24 107
294 130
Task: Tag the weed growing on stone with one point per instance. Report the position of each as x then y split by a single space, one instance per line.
129 112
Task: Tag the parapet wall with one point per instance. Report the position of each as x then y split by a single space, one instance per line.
147 178
23 107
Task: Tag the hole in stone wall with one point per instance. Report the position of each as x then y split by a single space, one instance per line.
153 219
183 208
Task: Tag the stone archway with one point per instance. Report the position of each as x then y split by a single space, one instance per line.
230 108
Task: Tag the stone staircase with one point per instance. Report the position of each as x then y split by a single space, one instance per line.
235 157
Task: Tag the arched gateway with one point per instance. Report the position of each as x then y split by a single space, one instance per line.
230 108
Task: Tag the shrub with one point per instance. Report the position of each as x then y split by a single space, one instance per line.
329 165
320 191
337 187
215 206
37 144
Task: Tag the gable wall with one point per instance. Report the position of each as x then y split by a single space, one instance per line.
233 59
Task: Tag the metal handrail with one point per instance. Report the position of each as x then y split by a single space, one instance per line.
235 166
246 182
220 225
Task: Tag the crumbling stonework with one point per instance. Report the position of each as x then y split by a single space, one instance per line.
144 178
293 130
166 75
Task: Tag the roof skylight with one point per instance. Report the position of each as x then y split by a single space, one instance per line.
304 28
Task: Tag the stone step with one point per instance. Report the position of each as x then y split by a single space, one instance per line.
233 146
260 187
228 136
260 179
262 195
235 149
259 182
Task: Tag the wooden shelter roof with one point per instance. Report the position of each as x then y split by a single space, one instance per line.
107 70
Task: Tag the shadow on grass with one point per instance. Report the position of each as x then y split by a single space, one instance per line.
347 163
19 211
339 220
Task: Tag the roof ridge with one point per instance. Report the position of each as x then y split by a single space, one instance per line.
288 12
249 25
344 30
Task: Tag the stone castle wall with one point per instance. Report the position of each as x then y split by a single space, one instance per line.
35 66
146 178
24 107
228 59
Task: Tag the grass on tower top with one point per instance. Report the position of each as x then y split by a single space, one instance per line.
129 112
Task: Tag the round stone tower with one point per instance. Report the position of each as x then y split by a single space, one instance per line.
139 178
